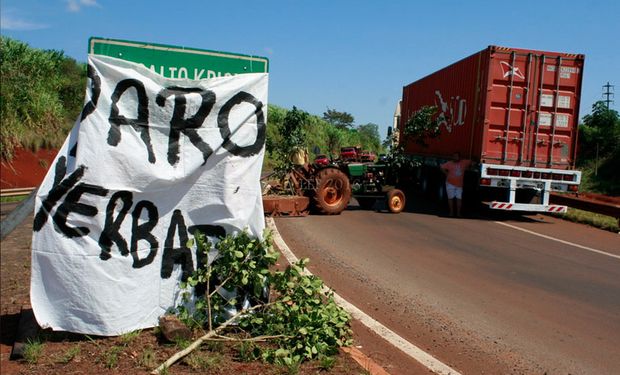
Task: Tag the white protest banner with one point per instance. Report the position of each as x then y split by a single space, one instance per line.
149 161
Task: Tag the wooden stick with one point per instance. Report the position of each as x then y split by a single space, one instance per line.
177 356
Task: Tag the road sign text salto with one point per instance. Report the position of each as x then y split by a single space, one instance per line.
187 73
179 62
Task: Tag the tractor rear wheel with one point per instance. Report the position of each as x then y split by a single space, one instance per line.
333 191
395 201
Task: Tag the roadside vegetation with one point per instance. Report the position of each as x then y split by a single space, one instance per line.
590 218
15 198
598 159
599 150
244 313
236 295
317 135
291 320
41 95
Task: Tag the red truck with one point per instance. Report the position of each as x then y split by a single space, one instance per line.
514 112
349 153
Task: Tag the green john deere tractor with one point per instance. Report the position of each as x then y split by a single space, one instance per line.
327 189
370 182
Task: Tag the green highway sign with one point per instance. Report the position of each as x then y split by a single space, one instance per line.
179 62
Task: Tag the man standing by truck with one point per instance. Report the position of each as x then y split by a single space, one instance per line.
455 171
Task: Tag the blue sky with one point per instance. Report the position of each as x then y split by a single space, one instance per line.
352 56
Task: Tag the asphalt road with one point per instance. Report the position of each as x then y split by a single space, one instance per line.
484 294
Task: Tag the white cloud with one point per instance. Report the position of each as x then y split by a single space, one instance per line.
8 21
76 5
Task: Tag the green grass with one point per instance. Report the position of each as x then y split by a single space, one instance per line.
33 350
606 181
596 220
16 198
111 357
128 337
69 354
148 358
247 351
204 361
326 363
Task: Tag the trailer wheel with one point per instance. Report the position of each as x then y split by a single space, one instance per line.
395 201
424 185
366 203
333 191
441 192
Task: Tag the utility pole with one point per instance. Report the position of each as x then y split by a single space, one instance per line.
608 93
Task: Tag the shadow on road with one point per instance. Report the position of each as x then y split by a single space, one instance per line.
417 203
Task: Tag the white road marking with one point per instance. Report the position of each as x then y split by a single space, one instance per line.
559 240
393 338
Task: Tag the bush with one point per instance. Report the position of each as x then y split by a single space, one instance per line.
314 132
40 96
288 307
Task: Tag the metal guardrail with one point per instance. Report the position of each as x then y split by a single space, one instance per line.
18 214
609 207
16 192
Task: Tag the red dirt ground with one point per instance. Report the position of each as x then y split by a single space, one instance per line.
65 353
27 168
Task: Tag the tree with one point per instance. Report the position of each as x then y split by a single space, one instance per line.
292 138
274 124
600 132
599 150
334 139
369 136
341 120
293 129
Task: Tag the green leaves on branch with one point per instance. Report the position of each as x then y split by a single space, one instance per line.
324 135
309 323
236 266
302 322
599 150
341 120
293 138
422 126
600 129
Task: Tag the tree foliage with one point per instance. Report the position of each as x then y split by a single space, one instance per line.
369 136
41 94
317 133
231 285
334 140
341 120
290 136
422 126
600 129
599 150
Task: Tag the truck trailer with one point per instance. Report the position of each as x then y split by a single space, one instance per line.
514 113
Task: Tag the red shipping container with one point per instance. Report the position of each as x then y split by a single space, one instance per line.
502 106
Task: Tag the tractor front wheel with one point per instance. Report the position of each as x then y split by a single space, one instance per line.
395 201
333 191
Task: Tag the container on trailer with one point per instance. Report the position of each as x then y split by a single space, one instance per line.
506 106
514 112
